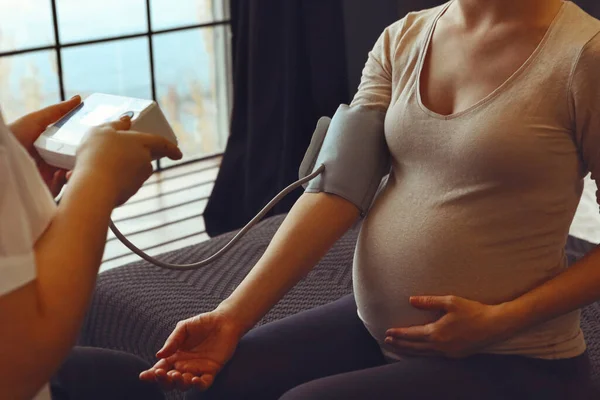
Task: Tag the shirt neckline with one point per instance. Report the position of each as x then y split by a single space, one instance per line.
501 88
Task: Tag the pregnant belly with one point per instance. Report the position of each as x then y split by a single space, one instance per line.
418 250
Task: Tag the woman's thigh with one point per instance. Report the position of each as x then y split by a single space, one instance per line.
94 373
487 377
276 357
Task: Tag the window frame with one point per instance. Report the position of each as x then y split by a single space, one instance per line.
223 57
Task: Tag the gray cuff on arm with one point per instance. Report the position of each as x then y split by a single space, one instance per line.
353 149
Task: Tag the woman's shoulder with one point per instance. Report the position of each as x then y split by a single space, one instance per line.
415 20
582 33
578 28
408 29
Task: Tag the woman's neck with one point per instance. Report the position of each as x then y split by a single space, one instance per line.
474 14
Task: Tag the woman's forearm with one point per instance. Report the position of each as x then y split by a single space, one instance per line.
312 226
575 288
46 314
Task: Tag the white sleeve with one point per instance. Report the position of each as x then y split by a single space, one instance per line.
26 209
17 262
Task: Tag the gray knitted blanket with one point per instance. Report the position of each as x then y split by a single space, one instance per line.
135 307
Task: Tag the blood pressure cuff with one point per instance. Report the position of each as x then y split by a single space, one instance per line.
353 149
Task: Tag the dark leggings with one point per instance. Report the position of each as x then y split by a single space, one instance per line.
101 374
326 353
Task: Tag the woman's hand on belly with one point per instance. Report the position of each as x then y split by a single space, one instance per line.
466 327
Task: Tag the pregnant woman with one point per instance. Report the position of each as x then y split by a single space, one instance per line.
492 120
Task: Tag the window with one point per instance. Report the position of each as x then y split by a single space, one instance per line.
175 52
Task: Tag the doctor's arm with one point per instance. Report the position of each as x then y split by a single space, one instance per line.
40 320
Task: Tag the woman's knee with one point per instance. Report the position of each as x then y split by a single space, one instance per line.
298 393
316 390
94 373
254 372
241 378
231 387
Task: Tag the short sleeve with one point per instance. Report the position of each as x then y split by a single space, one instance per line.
375 89
26 209
17 263
585 92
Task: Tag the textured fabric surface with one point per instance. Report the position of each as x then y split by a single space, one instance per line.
135 307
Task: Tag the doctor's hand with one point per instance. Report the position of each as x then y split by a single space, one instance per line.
466 327
29 127
119 159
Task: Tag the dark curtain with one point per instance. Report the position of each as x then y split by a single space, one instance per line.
289 67
591 6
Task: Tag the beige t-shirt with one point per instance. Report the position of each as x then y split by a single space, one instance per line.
479 203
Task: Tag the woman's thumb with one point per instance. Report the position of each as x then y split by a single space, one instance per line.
174 341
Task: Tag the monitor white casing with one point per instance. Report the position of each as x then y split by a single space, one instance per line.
58 144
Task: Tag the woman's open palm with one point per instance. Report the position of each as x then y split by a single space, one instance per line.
195 352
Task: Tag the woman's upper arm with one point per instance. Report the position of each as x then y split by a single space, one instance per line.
585 92
375 89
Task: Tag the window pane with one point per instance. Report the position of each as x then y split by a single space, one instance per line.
86 20
28 82
191 79
120 67
25 24
187 12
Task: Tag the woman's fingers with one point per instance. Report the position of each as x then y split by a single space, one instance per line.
148 375
195 366
415 333
170 377
159 373
413 348
187 380
177 378
202 383
163 378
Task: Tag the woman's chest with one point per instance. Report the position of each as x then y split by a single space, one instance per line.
460 69
519 138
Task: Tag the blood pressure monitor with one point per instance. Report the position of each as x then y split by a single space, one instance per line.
58 144
347 155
